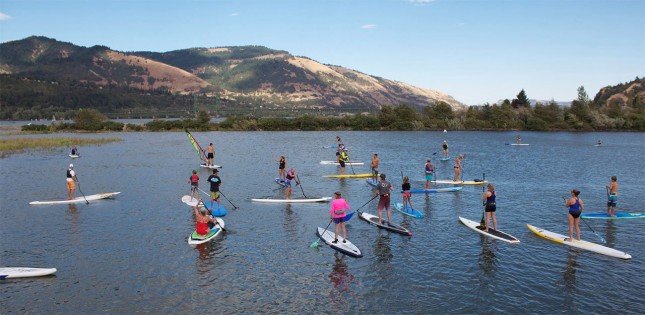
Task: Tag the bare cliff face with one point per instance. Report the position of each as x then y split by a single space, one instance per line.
228 72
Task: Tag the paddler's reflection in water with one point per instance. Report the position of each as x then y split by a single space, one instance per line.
341 279
569 277
487 258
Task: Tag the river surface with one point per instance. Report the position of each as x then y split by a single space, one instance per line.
130 254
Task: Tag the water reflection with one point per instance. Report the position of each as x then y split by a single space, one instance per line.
73 213
610 237
342 281
487 258
569 278
382 250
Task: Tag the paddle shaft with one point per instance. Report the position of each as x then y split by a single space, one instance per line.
482 223
315 244
301 189
220 192
79 189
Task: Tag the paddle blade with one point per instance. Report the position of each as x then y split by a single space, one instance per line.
349 216
314 244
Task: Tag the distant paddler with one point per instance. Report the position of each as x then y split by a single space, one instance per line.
444 147
374 165
210 158
74 150
612 196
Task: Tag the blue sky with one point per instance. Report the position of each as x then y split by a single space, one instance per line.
475 50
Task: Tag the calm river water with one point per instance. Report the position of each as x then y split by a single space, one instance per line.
130 255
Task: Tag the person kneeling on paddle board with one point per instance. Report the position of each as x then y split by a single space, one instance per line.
490 206
576 207
215 183
71 180
339 208
291 174
202 220
383 189
193 180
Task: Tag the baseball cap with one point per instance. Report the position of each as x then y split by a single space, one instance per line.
71 165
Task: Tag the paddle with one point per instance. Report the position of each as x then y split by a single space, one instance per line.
300 183
211 214
482 223
350 164
221 193
589 226
79 189
315 244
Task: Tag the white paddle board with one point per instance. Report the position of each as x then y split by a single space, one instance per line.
582 244
24 272
195 238
342 245
323 199
77 199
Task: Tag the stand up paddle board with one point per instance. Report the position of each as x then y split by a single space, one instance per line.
618 215
24 272
517 144
344 246
74 156
219 212
408 211
460 182
195 238
349 175
212 167
559 238
322 199
423 191
444 159
372 219
496 234
280 182
77 199
336 163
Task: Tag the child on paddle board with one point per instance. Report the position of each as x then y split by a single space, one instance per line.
429 172
193 180
215 181
374 165
337 212
612 196
291 174
71 181
282 165
406 193
202 220
490 206
210 157
458 168
383 189
576 207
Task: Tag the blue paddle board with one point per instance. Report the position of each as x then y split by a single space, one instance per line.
618 215
220 212
280 182
408 211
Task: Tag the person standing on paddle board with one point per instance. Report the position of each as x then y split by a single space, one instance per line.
202 220
576 206
215 181
519 139
337 212
74 150
193 180
444 147
458 168
210 157
429 172
341 161
490 206
383 189
406 193
282 165
71 181
291 174
338 141
612 196
374 165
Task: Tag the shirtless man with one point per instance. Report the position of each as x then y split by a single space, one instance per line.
612 196
211 155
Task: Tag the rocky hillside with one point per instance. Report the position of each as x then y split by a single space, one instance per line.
624 95
258 75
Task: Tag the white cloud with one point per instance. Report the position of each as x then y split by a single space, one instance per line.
234 14
4 17
368 26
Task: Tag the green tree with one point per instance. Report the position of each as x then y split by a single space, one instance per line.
521 101
89 119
